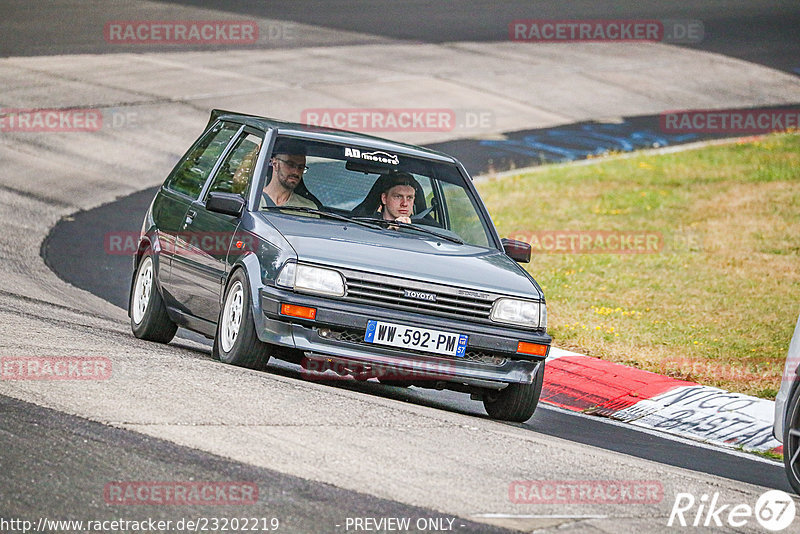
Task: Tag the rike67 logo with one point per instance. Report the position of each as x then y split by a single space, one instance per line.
774 510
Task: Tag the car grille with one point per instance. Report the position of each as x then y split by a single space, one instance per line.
451 302
474 356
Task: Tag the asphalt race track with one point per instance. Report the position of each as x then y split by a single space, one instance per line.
320 454
89 455
87 234
760 32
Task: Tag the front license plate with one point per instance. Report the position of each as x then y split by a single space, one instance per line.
411 337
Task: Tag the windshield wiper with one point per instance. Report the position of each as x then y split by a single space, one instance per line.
411 226
369 222
327 214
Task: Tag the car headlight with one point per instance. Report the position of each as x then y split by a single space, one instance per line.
309 279
520 312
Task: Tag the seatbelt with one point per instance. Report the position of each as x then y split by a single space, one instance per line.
425 212
268 200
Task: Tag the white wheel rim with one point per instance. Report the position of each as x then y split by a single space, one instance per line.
143 290
793 447
232 316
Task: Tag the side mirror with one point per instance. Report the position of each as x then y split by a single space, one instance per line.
518 251
225 203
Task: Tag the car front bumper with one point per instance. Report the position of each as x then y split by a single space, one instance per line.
334 339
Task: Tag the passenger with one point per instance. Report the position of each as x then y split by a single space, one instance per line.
397 199
288 166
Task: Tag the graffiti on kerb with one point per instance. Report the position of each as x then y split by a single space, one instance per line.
582 141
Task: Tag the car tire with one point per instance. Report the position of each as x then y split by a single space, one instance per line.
149 318
791 440
516 402
236 341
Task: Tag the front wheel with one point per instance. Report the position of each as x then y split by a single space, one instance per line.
791 440
149 319
516 402
236 341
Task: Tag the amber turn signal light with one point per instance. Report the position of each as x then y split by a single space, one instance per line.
533 349
298 311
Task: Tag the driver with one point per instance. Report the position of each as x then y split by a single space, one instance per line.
288 166
397 200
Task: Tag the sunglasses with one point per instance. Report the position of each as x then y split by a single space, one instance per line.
295 166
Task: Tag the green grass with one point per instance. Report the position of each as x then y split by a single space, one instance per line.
769 455
717 304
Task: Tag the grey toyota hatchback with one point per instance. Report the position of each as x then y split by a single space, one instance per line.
347 254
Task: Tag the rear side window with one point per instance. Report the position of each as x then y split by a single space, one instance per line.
236 170
192 173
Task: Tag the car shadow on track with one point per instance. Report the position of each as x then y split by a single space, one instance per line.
417 396
450 401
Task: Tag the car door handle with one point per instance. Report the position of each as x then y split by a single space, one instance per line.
190 215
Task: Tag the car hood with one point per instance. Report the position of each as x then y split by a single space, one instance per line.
405 254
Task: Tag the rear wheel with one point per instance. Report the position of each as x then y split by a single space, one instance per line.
791 440
149 319
516 402
236 341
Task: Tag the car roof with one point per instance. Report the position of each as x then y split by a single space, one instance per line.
333 135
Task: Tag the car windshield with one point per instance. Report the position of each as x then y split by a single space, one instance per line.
424 197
